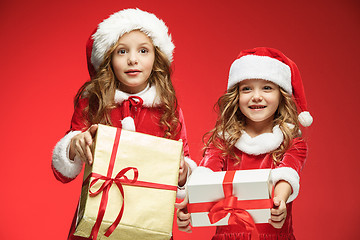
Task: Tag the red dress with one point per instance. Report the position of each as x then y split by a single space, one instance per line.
288 170
146 118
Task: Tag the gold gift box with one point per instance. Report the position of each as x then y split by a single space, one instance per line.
148 212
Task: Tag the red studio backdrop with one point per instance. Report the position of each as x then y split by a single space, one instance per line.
43 65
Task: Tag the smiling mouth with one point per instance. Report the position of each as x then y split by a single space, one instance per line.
257 107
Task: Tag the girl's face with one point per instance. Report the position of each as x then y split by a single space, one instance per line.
258 100
133 60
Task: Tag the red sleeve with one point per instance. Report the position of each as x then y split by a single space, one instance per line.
79 121
63 169
59 176
213 159
295 157
182 135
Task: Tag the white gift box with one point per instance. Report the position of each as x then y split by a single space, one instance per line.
206 186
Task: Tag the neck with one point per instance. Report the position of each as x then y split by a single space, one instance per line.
133 90
256 128
138 91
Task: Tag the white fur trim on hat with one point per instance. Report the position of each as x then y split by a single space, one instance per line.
60 159
111 29
289 175
305 119
260 67
262 143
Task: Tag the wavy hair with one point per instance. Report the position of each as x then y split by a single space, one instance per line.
231 122
100 91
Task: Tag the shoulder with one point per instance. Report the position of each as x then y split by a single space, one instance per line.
297 150
214 155
82 102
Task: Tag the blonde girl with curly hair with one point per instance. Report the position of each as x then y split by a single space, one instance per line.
129 60
258 127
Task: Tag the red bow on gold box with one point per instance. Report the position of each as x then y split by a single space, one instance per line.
130 190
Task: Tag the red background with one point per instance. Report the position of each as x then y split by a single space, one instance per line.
42 63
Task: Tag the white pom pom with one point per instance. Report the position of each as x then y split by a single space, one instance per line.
305 119
128 124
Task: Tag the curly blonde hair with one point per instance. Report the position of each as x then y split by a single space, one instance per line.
100 92
231 122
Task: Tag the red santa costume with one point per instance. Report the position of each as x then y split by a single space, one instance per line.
140 111
255 153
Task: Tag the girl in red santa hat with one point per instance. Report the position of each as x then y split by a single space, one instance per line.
129 61
258 127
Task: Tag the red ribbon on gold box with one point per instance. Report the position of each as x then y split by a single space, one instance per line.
130 190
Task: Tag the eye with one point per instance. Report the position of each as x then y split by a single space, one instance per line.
268 88
245 89
144 50
121 51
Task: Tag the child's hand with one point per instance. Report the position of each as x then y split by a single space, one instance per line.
81 143
278 213
183 217
183 170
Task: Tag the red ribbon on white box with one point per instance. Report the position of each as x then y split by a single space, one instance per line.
230 204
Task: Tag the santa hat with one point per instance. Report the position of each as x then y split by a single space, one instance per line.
111 29
272 65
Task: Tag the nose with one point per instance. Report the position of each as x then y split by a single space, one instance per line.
257 97
132 59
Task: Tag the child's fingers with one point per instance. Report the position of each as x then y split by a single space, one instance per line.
183 221
183 216
182 164
85 149
81 148
86 142
88 155
88 138
185 229
183 204
279 208
277 225
278 213
92 130
80 154
181 169
278 218
276 202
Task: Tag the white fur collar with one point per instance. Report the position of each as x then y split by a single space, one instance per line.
148 95
260 144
